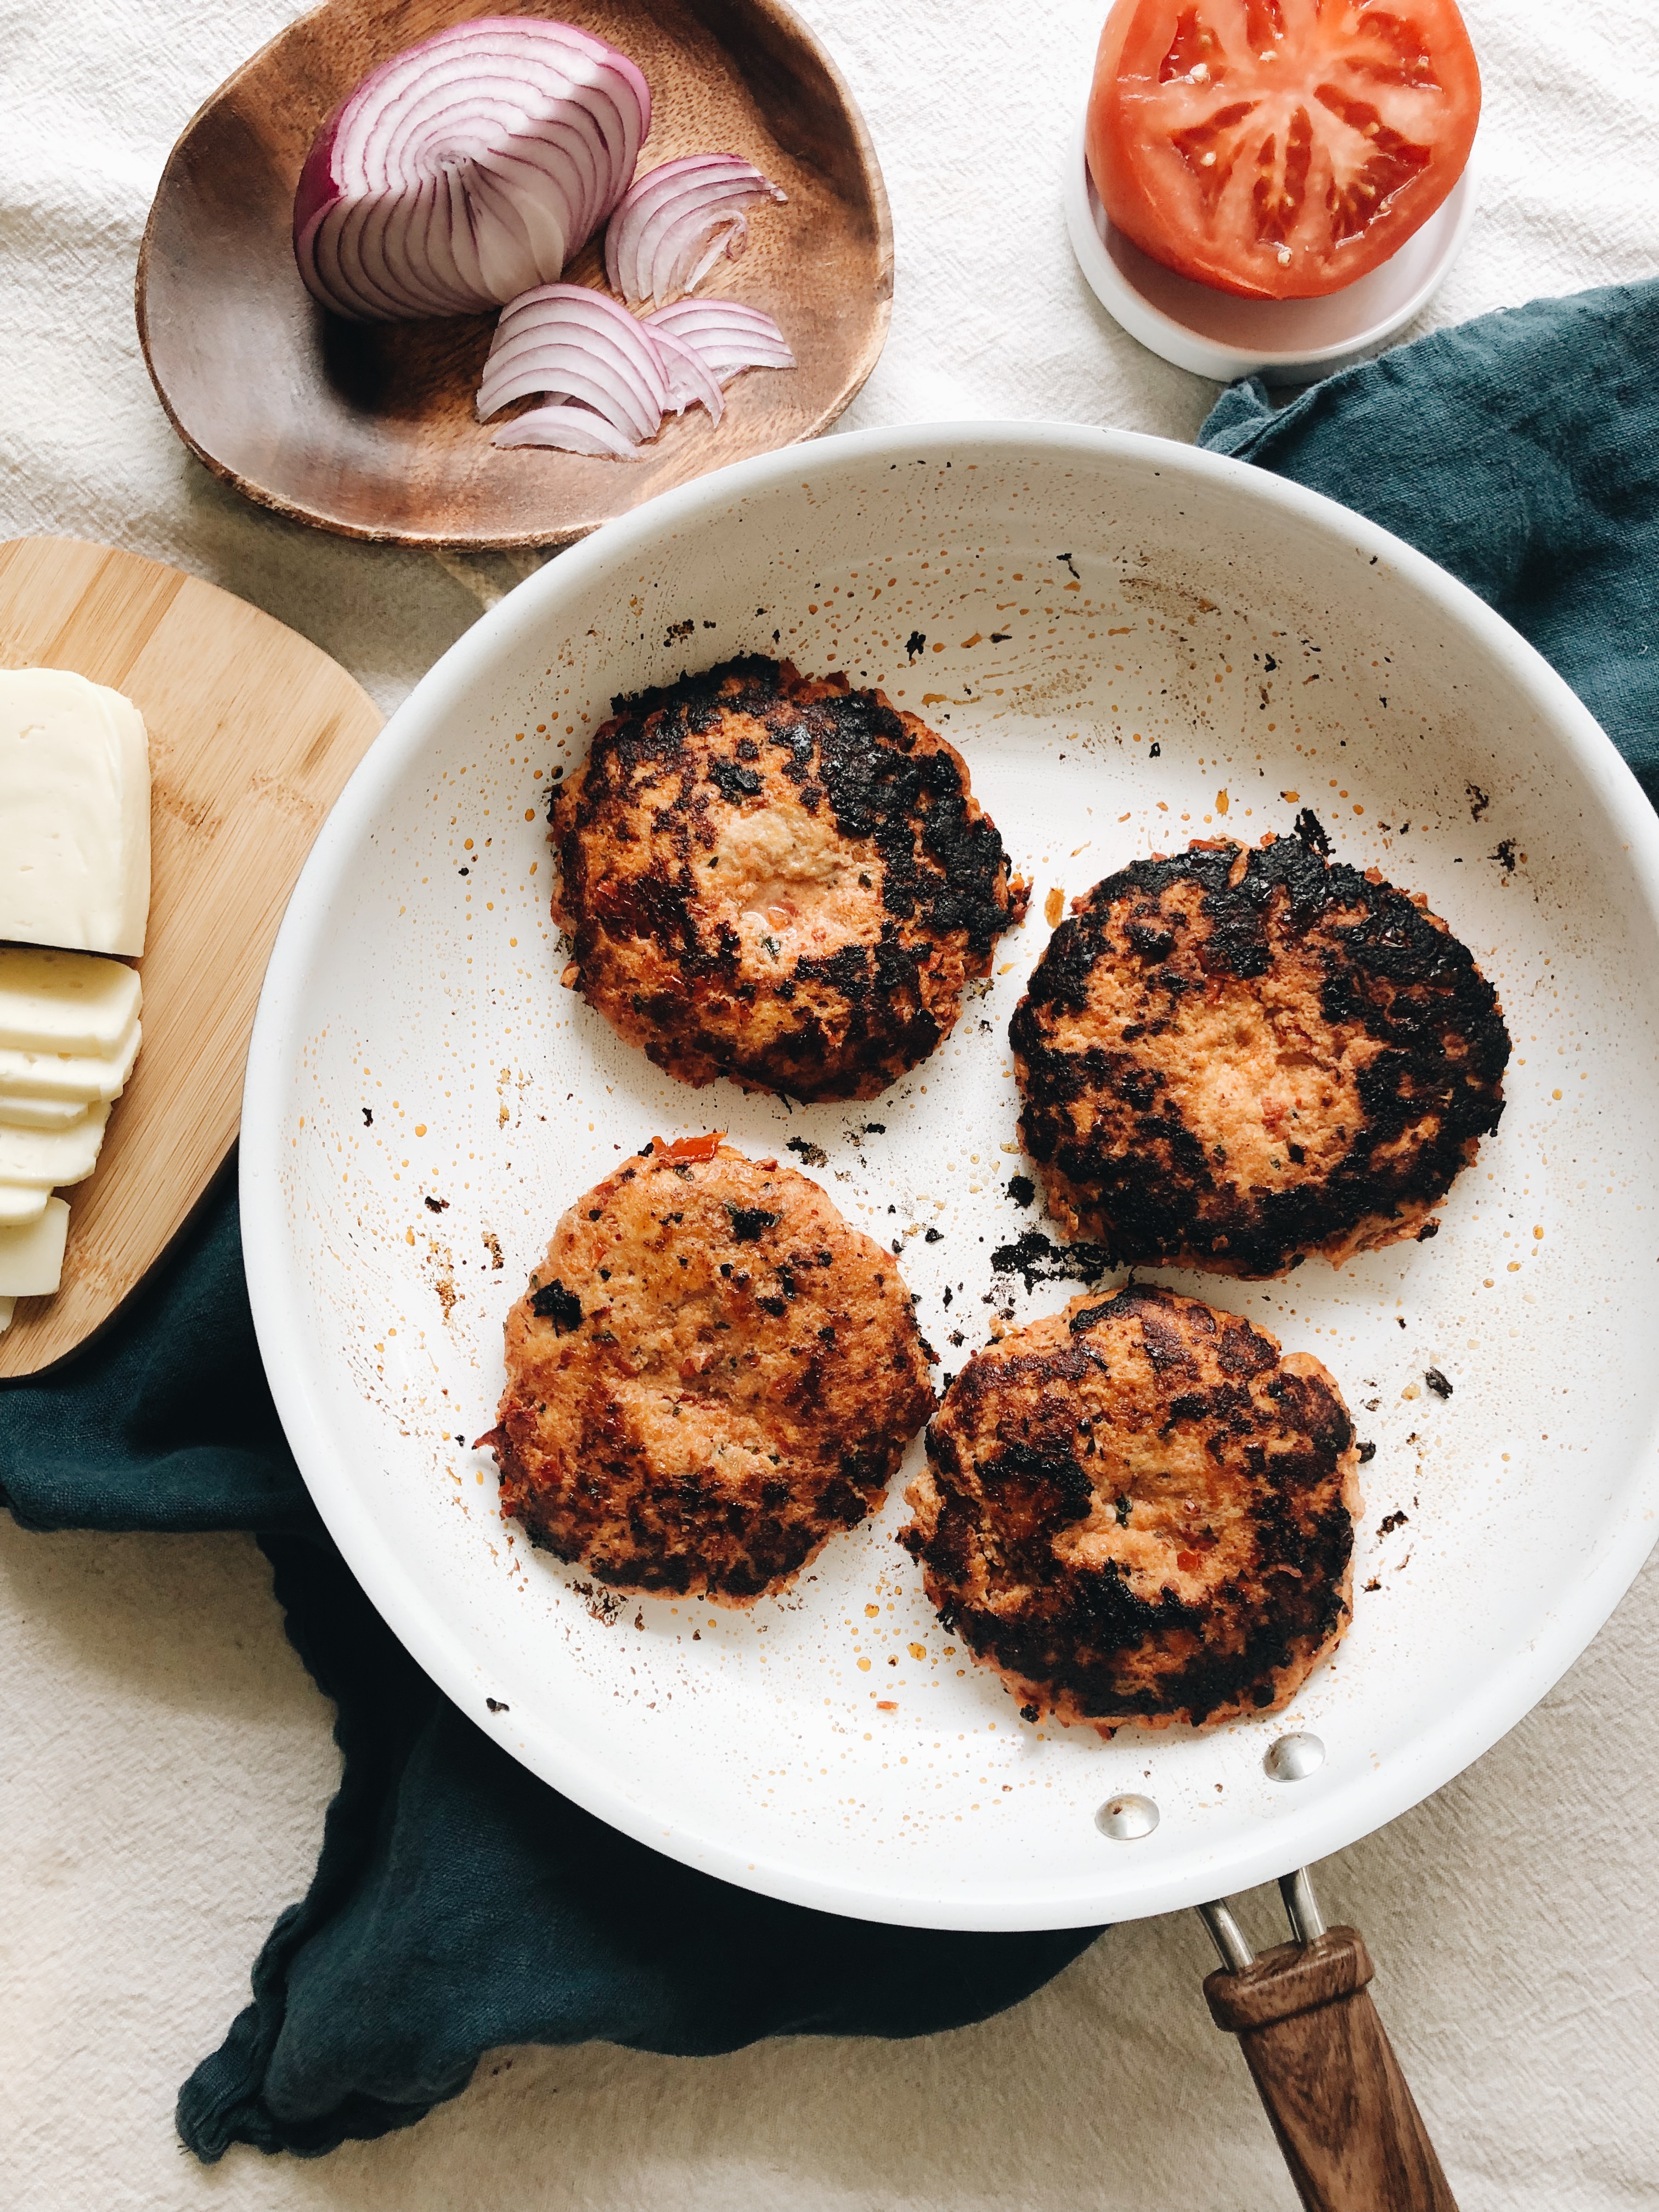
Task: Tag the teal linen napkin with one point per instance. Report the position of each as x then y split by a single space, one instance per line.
458 1904
1522 452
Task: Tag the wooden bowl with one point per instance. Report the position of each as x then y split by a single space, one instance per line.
371 431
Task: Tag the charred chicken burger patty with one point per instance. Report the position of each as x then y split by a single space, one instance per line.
1232 1058
709 1374
778 879
1139 1511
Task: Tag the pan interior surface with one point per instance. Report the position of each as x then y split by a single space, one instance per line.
1134 645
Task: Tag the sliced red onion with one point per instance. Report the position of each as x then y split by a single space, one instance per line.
468 169
572 430
674 223
690 382
569 343
729 337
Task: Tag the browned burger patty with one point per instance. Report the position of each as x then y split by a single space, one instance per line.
1136 1511
1231 1059
709 1374
779 879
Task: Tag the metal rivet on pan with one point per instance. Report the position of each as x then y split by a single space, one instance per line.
1123 1819
1294 1757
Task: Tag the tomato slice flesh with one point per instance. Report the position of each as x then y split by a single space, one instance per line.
1279 148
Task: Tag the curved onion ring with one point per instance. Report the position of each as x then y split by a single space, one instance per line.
570 342
674 223
467 170
567 343
729 337
691 383
572 430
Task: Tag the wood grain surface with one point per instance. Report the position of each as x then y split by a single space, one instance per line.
371 430
1344 2115
253 733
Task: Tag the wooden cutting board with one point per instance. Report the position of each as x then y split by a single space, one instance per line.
253 734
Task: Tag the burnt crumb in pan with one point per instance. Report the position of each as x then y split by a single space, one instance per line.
779 879
709 1375
1138 1510
1038 1259
1236 1058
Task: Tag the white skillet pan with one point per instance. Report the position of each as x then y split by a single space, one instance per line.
1134 643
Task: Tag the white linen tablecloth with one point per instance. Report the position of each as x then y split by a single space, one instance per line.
165 1760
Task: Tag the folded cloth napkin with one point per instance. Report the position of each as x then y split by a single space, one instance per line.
1521 451
458 1904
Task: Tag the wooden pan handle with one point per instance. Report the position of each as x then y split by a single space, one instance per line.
1351 2133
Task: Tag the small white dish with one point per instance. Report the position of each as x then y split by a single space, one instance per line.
1217 335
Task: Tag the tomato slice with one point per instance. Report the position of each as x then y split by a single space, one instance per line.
1280 149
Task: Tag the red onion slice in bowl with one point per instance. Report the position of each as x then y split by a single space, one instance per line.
729 337
674 224
568 340
467 170
559 368
691 382
569 430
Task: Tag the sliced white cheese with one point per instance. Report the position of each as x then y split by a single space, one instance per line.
22 1201
40 1114
53 1157
64 1001
25 1113
69 1075
74 799
31 1258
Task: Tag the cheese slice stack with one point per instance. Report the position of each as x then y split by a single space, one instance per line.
69 1035
75 881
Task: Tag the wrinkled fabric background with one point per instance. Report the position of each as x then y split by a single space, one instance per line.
165 1760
